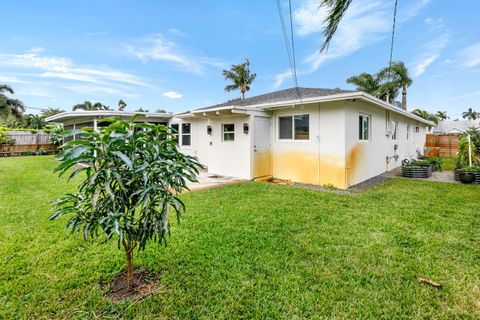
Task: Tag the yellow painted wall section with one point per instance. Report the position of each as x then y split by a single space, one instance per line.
332 171
296 166
356 160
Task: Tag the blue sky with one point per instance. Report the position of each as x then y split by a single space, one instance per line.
170 54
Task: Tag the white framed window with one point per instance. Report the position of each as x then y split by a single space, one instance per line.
228 131
394 130
294 127
175 132
364 127
186 134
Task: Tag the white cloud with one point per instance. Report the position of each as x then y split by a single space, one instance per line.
172 94
51 67
365 22
281 77
35 91
431 54
156 47
176 32
466 95
10 79
469 57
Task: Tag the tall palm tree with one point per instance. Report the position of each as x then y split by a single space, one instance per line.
442 115
470 114
241 77
396 76
8 105
366 82
87 105
121 105
51 111
426 115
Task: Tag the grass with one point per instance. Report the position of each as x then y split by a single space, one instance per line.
449 163
251 250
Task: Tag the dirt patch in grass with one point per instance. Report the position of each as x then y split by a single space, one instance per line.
144 284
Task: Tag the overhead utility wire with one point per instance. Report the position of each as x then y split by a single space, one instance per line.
290 52
299 95
392 41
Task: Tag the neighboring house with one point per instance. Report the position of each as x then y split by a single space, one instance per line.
80 118
322 137
455 127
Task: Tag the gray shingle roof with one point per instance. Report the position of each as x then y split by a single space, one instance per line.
279 96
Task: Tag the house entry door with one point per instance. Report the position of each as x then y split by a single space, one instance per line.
262 154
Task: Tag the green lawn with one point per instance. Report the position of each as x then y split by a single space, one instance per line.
251 250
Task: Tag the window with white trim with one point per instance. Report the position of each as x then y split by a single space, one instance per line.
364 127
295 127
175 133
186 134
395 129
228 131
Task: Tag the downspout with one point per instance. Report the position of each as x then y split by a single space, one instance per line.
319 147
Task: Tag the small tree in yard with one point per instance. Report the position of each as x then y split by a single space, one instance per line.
133 174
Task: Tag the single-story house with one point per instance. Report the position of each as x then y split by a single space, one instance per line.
455 126
309 135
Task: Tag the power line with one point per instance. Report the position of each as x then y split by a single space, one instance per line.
393 38
290 52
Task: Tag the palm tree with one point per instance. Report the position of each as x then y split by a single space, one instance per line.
442 115
366 82
121 105
35 121
426 115
240 76
8 105
51 111
470 114
87 105
335 11
396 76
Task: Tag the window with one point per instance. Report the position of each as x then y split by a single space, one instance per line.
186 135
174 127
364 127
228 132
294 127
394 130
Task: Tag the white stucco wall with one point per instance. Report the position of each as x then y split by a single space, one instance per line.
366 159
318 160
230 158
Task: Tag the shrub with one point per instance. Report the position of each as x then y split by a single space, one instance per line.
133 174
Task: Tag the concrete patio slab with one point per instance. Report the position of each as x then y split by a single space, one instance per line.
208 180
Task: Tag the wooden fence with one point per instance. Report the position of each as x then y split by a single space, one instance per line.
443 145
27 142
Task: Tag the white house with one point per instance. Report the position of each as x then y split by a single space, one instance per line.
314 136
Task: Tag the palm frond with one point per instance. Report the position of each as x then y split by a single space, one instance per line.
335 11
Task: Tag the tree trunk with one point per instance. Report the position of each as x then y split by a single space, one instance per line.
128 255
404 98
243 94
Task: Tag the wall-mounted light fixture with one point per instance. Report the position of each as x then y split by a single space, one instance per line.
245 128
209 130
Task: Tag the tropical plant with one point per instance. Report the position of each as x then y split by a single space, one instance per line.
161 111
470 114
426 115
464 153
395 77
241 77
5 137
34 121
55 133
51 111
9 106
121 105
133 174
366 82
142 110
442 115
336 9
88 106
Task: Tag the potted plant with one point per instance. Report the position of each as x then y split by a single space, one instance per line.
469 174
